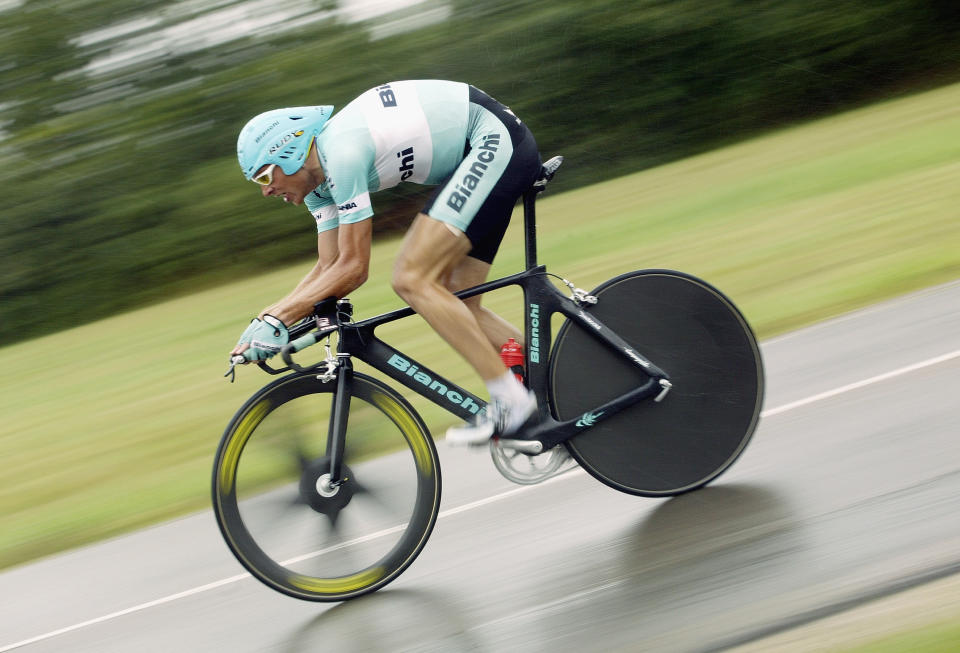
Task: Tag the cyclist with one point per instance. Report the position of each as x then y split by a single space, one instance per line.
475 150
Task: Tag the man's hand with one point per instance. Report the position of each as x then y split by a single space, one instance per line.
245 336
262 339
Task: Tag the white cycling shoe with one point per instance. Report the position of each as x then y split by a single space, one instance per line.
501 418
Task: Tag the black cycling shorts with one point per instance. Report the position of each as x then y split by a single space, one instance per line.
500 162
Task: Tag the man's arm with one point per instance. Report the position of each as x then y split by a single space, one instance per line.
327 248
343 261
326 254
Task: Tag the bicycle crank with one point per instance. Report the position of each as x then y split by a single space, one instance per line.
524 469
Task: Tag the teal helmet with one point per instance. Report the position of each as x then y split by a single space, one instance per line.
280 136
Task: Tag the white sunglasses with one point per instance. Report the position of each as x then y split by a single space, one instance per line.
265 178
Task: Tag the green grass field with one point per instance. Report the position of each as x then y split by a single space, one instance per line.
937 638
112 425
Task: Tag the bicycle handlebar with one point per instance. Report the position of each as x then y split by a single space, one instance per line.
301 343
326 320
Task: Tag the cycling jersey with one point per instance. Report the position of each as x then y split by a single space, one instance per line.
430 132
401 131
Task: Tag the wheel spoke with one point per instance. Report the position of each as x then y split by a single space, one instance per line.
288 526
375 497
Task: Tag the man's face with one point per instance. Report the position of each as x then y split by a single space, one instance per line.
291 188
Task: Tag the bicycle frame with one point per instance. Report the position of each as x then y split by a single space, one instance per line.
542 300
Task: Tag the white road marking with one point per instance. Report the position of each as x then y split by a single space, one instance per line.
470 506
861 384
121 613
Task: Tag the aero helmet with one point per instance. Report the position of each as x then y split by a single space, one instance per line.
281 136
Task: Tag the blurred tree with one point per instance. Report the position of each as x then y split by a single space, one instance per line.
35 52
120 178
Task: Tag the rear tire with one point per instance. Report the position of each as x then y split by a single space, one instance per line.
693 332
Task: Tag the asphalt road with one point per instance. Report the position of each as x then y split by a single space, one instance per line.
849 491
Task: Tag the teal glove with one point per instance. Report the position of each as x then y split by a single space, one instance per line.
267 338
245 337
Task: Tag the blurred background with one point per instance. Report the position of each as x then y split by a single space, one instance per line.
802 155
118 120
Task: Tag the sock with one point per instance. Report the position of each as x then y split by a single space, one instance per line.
505 387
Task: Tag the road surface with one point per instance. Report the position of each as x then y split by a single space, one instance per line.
849 491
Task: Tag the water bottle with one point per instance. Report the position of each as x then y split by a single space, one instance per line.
512 356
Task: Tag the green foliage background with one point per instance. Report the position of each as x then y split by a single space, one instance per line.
122 188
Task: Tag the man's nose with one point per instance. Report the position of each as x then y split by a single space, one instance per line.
267 191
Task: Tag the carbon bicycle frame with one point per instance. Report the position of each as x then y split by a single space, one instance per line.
542 300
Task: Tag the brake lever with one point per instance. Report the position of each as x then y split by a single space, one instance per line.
234 361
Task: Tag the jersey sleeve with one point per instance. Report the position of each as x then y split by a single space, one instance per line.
324 210
348 171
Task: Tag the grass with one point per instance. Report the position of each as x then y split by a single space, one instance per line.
111 426
922 619
939 638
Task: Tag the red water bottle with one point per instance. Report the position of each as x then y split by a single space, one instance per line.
512 356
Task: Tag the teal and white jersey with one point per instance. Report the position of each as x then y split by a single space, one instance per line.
401 131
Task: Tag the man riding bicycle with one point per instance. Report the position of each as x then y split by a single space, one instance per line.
480 156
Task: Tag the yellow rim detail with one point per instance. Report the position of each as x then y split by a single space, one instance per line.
400 417
228 466
337 585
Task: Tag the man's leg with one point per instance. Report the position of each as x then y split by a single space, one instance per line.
472 272
430 254
427 259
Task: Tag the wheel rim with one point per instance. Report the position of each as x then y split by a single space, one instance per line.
304 536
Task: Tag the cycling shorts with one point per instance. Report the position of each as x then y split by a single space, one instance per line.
501 161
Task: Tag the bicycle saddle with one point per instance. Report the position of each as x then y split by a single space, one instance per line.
547 171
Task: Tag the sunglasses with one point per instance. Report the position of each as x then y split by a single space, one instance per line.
265 178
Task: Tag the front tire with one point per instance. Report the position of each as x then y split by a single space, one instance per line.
286 523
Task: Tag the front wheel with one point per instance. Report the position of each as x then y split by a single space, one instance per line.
289 525
694 333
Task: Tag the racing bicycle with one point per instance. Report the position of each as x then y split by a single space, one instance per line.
326 482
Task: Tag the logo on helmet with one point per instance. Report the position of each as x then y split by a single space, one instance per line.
283 141
276 123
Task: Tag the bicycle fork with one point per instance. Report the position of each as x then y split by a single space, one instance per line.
337 431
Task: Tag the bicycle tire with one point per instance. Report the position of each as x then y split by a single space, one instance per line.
692 331
293 490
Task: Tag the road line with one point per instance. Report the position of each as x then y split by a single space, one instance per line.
861 384
471 506
121 613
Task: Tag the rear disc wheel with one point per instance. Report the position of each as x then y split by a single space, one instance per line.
694 333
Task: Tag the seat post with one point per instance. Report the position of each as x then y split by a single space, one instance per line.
547 170
530 226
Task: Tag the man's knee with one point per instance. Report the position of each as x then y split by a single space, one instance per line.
427 258
404 281
410 280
